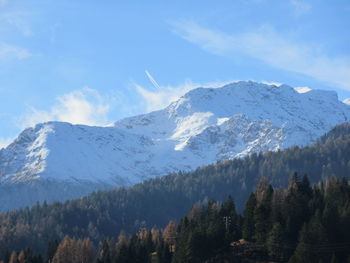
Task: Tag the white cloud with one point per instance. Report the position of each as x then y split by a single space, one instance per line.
300 7
10 51
3 2
274 49
162 97
87 106
84 106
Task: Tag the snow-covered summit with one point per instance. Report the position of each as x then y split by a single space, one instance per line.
203 126
314 111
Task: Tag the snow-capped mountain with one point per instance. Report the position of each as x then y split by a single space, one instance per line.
59 161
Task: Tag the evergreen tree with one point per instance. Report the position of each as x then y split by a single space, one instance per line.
104 253
248 230
231 220
275 243
296 208
51 250
312 236
262 222
163 252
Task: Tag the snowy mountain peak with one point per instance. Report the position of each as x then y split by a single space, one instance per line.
203 126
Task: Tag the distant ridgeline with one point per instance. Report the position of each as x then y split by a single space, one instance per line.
157 201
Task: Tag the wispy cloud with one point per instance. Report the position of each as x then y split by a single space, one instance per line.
12 22
300 7
88 106
10 51
164 95
272 48
84 106
18 20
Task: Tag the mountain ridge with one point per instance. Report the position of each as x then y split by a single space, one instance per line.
204 126
156 201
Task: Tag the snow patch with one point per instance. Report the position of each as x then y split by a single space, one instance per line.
347 101
221 121
302 89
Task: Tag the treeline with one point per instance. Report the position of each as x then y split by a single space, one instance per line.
156 201
295 225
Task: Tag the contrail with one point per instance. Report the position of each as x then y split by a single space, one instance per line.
153 81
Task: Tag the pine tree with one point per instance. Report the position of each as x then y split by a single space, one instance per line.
296 207
305 187
163 252
248 230
51 249
231 220
183 251
312 236
262 213
149 246
275 242
104 253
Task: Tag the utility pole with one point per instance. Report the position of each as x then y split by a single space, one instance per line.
227 221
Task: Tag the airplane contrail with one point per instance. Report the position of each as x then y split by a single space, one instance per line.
152 80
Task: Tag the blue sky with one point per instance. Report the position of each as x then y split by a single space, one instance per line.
85 61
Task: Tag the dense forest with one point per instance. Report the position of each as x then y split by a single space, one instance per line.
155 202
295 225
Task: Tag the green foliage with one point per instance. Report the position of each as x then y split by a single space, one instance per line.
248 230
274 242
213 228
212 231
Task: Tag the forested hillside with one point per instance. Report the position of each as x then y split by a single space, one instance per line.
295 225
155 202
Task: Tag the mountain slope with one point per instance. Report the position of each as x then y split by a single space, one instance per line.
156 201
202 127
